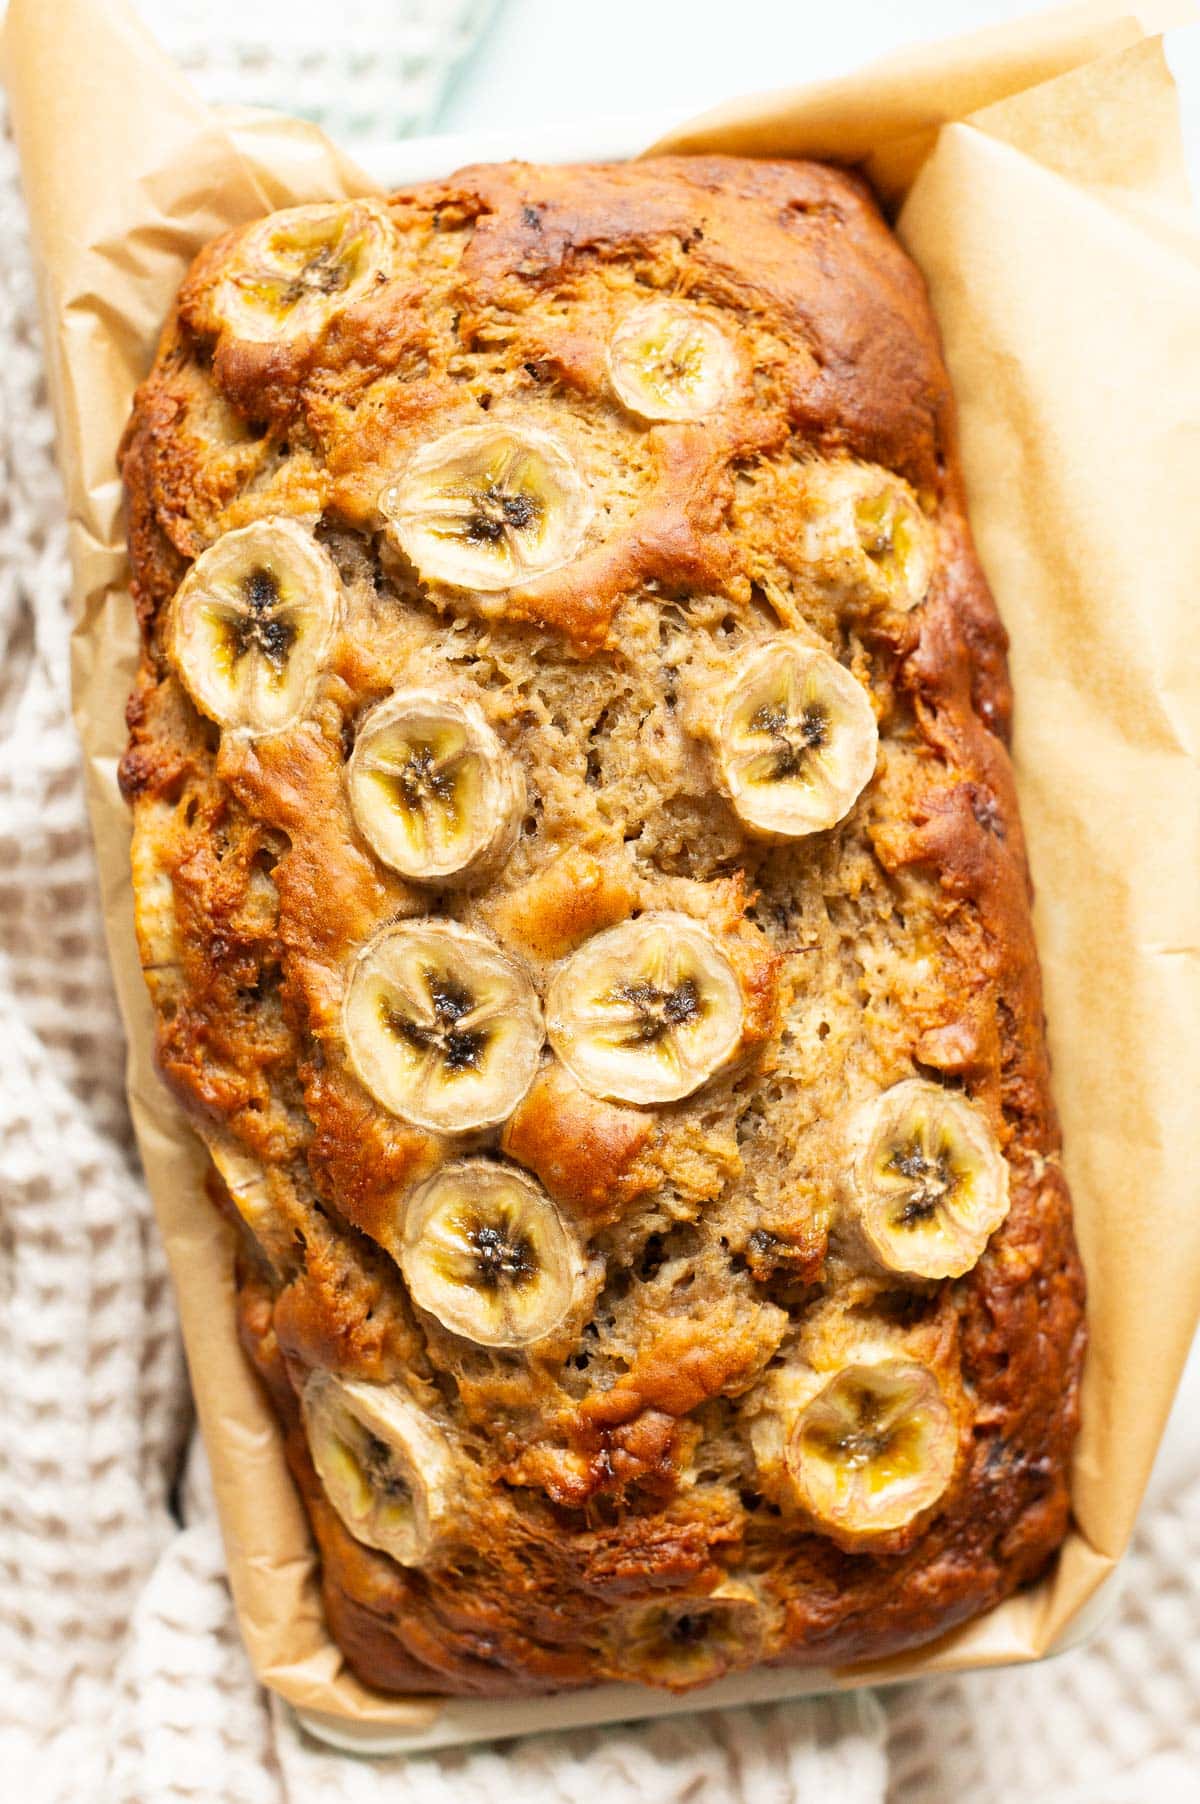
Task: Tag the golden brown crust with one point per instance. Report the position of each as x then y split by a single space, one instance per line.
627 1493
584 1151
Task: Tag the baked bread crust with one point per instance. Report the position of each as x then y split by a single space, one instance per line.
625 1494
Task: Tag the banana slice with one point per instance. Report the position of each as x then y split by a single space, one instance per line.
686 1641
486 507
251 625
875 1448
248 1182
646 1012
387 1469
796 741
443 1028
667 361
434 792
866 531
298 268
926 1183
485 1250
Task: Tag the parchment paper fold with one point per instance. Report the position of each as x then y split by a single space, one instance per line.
1037 176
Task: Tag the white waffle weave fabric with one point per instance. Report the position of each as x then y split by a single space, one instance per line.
364 68
122 1678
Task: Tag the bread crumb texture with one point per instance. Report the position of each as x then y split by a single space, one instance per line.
581 888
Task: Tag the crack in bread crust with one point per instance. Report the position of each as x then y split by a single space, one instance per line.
625 1509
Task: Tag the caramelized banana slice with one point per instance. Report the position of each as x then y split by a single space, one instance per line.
486 507
667 361
297 269
251 625
926 1184
686 1641
387 1468
443 1028
874 1448
865 533
797 740
434 792
486 1252
646 1012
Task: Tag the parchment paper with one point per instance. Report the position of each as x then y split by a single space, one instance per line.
1038 178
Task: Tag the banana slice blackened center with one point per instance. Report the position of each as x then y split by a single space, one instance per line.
646 1012
782 730
256 623
424 779
486 1252
874 1448
251 624
442 1027
649 1014
386 1467
492 1255
432 788
927 1184
325 265
502 510
488 506
797 739
656 1006
861 1426
446 1022
302 266
928 1179
692 1640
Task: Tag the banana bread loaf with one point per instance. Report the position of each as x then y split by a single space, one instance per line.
581 888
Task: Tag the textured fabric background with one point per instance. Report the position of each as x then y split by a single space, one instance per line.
364 68
123 1678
